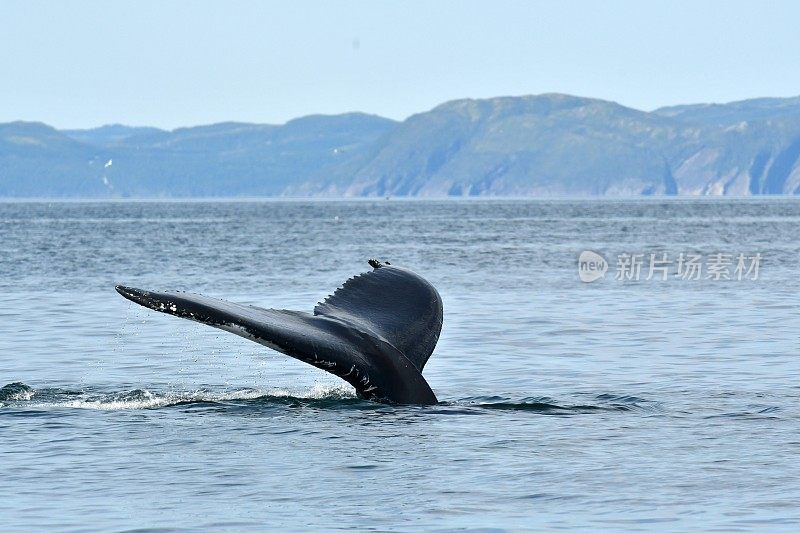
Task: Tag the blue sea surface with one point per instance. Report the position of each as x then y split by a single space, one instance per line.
618 404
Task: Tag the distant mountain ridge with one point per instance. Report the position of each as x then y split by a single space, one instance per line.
543 145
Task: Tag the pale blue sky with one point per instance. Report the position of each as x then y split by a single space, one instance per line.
169 64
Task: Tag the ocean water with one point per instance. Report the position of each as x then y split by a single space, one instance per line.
618 404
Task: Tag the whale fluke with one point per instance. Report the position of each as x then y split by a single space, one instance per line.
376 331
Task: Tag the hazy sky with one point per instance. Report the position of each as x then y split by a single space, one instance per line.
168 64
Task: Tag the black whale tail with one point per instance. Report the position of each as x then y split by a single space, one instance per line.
376 332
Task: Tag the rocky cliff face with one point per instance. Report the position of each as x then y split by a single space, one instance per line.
743 148
558 145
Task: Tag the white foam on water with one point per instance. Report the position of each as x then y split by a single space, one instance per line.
144 399
22 396
323 391
117 405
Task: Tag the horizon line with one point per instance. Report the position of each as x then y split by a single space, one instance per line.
322 199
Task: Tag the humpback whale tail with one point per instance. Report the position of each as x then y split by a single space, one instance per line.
376 331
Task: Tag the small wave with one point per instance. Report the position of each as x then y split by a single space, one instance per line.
318 392
321 396
620 398
136 399
546 405
21 395
16 391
